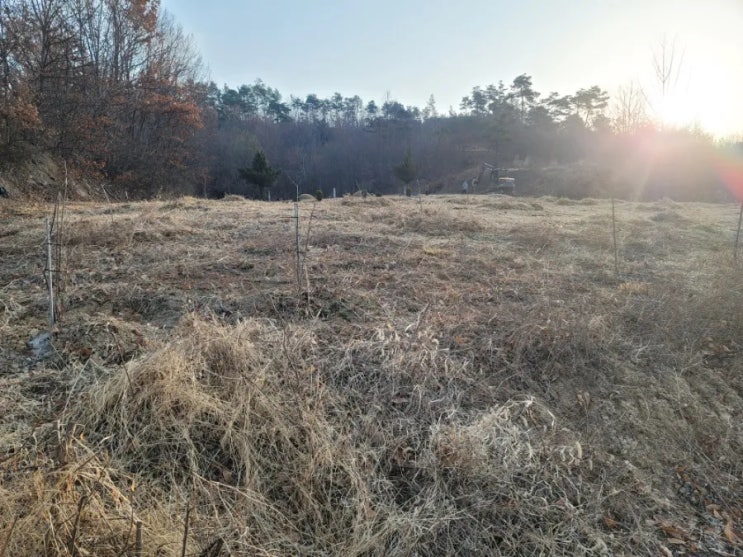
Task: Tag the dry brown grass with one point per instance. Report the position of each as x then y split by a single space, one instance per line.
458 375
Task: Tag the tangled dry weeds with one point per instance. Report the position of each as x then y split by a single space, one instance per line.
453 376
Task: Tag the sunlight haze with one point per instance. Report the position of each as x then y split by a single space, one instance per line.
416 48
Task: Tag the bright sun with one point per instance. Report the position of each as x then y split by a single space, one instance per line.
676 110
695 103
688 110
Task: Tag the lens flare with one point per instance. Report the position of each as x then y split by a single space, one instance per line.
730 169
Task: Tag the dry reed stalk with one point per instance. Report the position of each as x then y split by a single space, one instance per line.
73 537
6 540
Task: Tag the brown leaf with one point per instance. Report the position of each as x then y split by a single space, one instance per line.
610 522
673 531
730 534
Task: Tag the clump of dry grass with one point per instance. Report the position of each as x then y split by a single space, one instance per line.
232 198
122 231
76 503
440 223
369 200
10 310
669 215
542 342
567 202
187 203
513 205
707 313
529 469
241 414
275 449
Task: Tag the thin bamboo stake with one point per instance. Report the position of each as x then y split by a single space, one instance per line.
138 540
737 235
49 274
299 248
58 229
303 268
614 235
185 530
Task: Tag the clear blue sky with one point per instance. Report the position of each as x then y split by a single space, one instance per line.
415 48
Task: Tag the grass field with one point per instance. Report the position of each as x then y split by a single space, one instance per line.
449 375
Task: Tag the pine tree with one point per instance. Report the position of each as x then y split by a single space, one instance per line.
260 174
407 171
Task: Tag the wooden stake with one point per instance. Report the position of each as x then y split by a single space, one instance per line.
58 227
296 234
185 530
614 235
737 235
49 274
138 540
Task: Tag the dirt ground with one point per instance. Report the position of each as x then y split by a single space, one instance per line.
440 375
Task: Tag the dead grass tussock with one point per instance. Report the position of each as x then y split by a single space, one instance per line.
709 319
535 239
232 198
670 216
567 202
529 467
11 308
103 340
510 204
124 231
76 504
368 201
394 364
543 342
440 223
240 412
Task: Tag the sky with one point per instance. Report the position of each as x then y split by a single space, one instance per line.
407 50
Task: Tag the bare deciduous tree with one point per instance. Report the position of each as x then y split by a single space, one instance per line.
667 63
629 110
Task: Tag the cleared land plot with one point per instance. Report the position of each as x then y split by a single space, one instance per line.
452 375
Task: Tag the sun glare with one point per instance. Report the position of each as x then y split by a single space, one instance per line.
687 110
675 110
693 103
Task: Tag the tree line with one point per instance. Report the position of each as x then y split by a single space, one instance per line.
115 88
110 85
